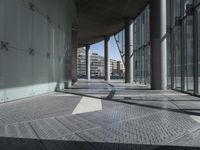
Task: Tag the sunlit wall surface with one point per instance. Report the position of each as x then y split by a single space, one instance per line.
35 46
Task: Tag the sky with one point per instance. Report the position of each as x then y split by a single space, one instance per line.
99 48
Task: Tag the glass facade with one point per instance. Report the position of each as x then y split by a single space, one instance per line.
120 40
183 48
197 45
141 44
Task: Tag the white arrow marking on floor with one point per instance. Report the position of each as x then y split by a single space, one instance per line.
87 104
196 118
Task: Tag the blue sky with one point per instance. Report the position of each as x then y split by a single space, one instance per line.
99 48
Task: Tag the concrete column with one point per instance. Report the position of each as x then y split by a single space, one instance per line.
158 35
107 58
74 56
128 51
88 62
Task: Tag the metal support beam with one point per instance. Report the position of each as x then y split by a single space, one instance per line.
107 58
128 51
158 31
87 62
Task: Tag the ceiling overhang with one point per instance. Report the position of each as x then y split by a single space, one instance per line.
100 18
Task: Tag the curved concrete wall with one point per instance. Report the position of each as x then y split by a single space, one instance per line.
35 46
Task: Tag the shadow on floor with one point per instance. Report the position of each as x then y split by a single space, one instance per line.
36 144
135 103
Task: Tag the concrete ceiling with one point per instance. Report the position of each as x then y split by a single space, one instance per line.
99 18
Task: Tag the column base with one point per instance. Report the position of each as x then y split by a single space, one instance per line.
68 84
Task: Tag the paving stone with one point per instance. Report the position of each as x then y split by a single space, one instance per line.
110 104
78 119
20 144
49 128
145 132
26 131
191 139
74 126
104 139
37 108
2 131
138 111
19 137
69 142
179 120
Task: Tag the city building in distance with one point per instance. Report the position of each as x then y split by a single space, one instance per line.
97 66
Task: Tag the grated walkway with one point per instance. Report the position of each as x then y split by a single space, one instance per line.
132 118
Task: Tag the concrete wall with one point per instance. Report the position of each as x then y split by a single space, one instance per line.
36 46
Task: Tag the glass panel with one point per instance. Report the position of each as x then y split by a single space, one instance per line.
141 50
177 47
120 41
177 44
189 51
169 52
182 53
198 40
141 47
190 61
